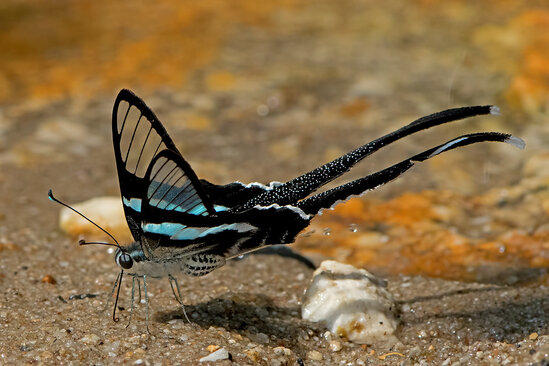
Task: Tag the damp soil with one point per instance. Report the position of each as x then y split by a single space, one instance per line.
272 93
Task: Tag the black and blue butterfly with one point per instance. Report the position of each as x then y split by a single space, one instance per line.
183 224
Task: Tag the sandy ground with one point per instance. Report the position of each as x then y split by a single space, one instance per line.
261 93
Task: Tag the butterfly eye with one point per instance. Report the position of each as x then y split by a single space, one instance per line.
124 260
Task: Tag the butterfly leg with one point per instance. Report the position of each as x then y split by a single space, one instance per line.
146 303
139 291
109 298
134 279
177 295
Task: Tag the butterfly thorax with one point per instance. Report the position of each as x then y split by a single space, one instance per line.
133 259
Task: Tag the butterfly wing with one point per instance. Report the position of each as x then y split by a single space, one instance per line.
299 188
138 136
178 217
179 220
233 195
328 199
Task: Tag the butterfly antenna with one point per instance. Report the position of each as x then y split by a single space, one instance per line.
51 197
83 242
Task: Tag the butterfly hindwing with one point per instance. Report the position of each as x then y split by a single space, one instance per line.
231 196
331 197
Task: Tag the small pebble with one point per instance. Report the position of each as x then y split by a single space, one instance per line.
25 348
49 279
90 339
279 362
107 212
220 354
533 336
253 354
282 351
113 346
46 355
262 338
213 347
314 356
384 356
335 346
7 246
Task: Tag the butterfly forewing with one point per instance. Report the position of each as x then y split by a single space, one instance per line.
138 136
139 142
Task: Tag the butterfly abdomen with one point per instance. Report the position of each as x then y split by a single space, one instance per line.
202 264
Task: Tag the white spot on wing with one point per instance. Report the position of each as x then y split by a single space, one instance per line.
219 208
297 210
446 147
269 187
241 227
515 141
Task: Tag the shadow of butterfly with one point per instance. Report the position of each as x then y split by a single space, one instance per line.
183 224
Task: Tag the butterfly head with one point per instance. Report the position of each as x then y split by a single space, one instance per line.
123 259
131 259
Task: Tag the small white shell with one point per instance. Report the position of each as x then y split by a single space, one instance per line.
352 302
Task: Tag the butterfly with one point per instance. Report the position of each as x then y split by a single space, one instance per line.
185 225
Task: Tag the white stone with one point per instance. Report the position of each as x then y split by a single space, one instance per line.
90 339
282 351
220 354
107 212
314 355
352 303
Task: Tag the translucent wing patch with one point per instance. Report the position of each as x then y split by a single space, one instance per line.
138 135
173 186
139 143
